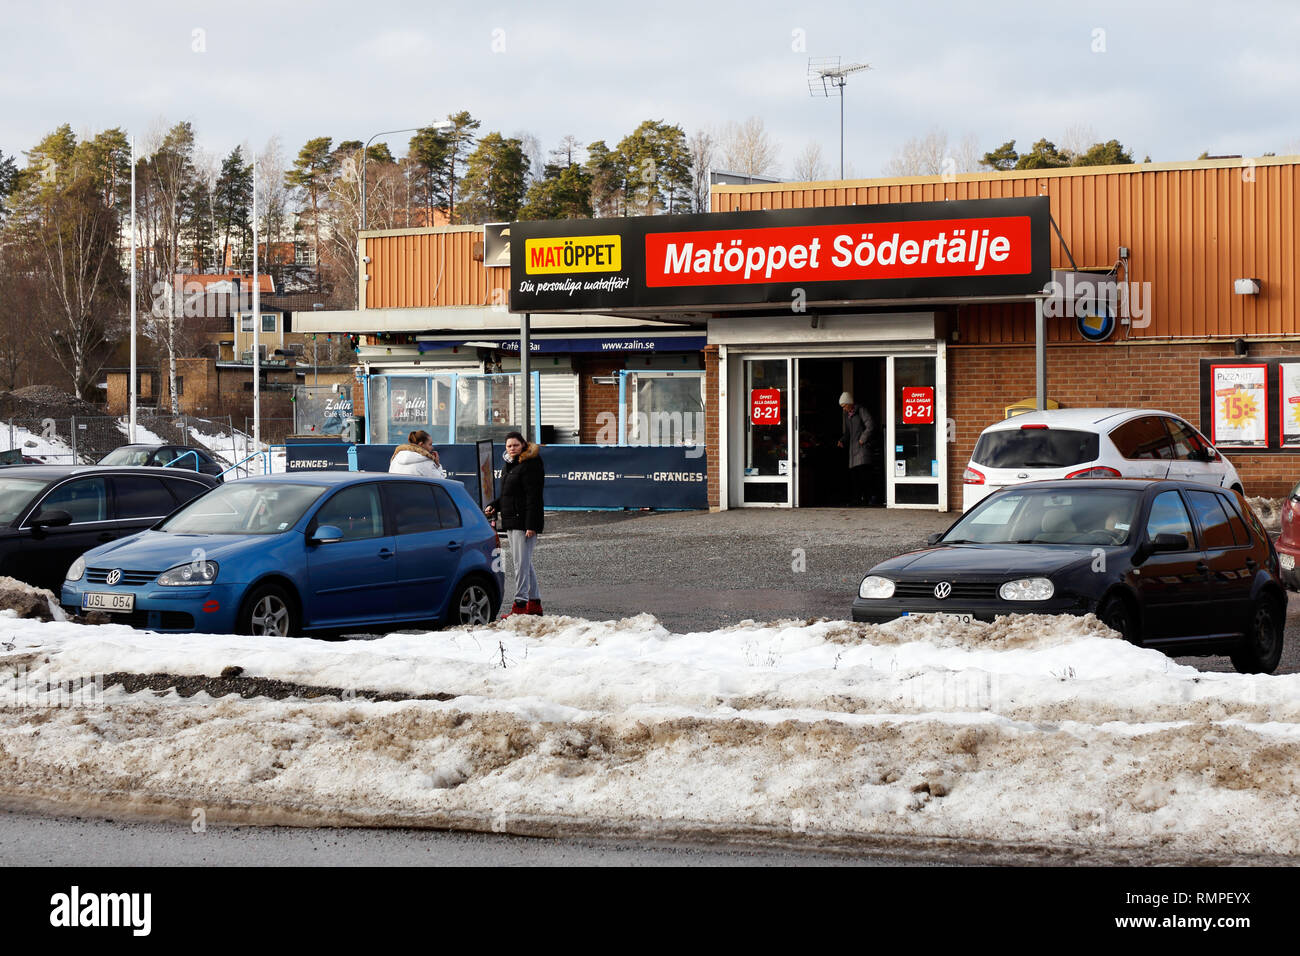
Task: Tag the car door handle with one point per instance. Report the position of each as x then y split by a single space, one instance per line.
453 545
1252 564
1202 568
385 553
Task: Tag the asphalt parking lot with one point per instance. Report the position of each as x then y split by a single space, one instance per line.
700 571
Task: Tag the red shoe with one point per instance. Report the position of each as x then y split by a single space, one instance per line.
533 607
519 607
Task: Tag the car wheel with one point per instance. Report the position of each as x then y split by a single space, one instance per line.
268 612
1117 614
1261 651
471 604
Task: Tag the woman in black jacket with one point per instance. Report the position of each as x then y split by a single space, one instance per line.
521 507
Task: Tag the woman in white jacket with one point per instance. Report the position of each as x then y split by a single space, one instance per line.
417 457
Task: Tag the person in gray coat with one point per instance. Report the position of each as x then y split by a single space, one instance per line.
859 430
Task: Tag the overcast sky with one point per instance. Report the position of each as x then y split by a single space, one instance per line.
1166 79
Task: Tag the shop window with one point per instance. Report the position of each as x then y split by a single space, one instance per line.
665 408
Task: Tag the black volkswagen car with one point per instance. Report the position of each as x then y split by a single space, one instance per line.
164 456
1172 565
50 515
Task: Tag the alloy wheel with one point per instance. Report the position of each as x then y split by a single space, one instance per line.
475 605
270 617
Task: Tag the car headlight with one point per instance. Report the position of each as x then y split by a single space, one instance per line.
1027 589
76 571
196 572
876 587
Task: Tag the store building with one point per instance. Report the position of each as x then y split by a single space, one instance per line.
1156 285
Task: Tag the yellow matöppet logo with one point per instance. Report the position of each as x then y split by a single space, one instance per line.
573 254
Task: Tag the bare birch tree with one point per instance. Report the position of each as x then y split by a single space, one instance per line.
747 148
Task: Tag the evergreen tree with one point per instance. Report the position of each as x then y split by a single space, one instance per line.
495 179
1004 157
312 173
232 202
658 166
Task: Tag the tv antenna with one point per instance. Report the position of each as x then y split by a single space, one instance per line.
826 73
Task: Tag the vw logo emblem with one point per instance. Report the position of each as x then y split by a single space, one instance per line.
942 590
113 577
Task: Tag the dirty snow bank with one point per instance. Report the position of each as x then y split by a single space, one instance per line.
1046 730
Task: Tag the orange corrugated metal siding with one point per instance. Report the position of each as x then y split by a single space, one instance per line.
431 269
1191 231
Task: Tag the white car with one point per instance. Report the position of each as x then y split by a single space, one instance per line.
1092 443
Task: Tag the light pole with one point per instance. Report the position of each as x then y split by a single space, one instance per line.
134 374
365 150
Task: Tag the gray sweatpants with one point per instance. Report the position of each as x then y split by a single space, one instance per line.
521 555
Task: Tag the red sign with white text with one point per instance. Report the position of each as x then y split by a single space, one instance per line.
918 405
765 406
845 252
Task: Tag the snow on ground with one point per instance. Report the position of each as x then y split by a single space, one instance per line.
142 435
52 452
1030 729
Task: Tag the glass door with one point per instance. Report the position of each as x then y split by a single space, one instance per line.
915 449
768 413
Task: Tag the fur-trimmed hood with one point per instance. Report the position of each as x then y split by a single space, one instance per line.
531 450
412 448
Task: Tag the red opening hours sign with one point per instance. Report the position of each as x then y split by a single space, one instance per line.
765 406
918 405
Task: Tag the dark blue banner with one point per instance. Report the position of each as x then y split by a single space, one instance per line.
586 476
613 344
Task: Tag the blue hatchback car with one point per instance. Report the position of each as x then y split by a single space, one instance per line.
295 553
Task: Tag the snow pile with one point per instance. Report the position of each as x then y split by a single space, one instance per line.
20 599
1269 512
1031 729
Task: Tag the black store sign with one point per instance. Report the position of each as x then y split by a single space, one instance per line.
791 257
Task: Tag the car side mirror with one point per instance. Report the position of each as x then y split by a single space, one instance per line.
934 538
1168 542
51 519
326 534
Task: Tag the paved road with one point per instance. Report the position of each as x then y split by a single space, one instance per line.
33 839
698 571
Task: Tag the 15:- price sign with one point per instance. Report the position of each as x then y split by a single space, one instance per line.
918 405
765 406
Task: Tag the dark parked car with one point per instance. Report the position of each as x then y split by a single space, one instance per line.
1172 565
164 456
52 514
287 554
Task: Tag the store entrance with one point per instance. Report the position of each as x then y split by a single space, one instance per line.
824 477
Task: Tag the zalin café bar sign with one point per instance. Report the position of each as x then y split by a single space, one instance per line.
830 255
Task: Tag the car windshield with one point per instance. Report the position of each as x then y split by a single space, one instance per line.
1036 448
1101 516
245 507
16 494
126 455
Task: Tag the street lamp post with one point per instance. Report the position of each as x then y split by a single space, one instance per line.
365 150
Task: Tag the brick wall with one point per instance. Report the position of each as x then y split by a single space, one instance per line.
983 380
711 431
593 399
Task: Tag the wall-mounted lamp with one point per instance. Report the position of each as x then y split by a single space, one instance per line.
1240 347
1245 286
365 259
